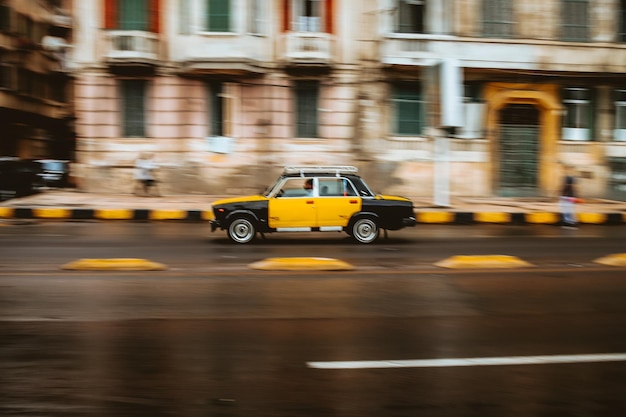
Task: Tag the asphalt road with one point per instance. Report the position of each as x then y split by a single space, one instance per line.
211 337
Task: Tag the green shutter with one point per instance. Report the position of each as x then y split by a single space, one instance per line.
218 16
306 109
498 18
133 15
575 20
133 107
409 110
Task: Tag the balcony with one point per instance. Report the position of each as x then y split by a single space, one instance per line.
228 55
61 19
308 49
131 50
502 54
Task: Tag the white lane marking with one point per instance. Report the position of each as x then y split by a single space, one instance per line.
493 361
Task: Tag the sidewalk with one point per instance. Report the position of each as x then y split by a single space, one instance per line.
72 204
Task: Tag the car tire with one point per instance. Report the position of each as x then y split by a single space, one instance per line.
364 230
241 230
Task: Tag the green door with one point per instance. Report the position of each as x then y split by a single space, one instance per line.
518 151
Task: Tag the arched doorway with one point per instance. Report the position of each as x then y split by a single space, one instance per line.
518 151
528 115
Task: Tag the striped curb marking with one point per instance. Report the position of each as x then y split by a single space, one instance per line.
299 264
617 259
422 217
114 264
482 261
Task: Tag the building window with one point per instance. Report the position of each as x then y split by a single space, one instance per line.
256 14
411 16
621 34
498 18
216 109
133 15
308 15
134 108
5 18
7 78
218 16
408 108
620 115
307 97
577 118
575 20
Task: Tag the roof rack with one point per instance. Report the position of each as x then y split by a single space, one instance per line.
308 169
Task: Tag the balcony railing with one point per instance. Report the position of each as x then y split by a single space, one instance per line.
128 46
61 18
546 55
308 48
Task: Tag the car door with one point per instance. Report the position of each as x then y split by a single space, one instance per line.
336 204
293 208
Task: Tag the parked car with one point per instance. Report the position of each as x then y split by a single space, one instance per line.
53 172
319 198
18 177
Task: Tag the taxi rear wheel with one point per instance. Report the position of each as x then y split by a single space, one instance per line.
241 230
364 230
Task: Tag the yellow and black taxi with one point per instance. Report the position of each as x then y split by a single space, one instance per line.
314 198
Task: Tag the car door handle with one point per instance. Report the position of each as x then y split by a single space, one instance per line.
354 201
309 201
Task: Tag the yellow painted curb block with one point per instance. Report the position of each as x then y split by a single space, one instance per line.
114 264
482 261
542 217
114 214
168 214
592 218
617 259
299 264
207 215
435 217
52 213
6 212
492 217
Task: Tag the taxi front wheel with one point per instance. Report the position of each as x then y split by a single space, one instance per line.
241 230
364 230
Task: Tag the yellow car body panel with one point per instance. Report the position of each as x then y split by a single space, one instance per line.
336 211
392 198
291 212
240 199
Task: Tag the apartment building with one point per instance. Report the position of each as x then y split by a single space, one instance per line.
501 93
36 115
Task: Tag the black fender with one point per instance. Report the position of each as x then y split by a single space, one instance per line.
360 214
260 225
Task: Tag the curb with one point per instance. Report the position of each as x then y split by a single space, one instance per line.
301 264
114 264
483 261
617 259
422 217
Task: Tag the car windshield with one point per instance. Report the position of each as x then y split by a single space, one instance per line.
53 165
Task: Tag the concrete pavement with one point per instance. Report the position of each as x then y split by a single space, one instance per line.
72 204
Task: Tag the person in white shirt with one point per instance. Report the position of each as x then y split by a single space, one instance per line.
144 174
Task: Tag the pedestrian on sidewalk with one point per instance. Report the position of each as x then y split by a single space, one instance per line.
144 175
567 200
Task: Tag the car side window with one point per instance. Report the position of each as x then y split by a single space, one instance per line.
336 187
297 187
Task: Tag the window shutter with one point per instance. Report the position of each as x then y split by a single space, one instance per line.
286 15
155 16
110 14
218 19
134 107
329 16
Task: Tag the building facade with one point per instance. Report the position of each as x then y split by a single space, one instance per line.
36 115
502 94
